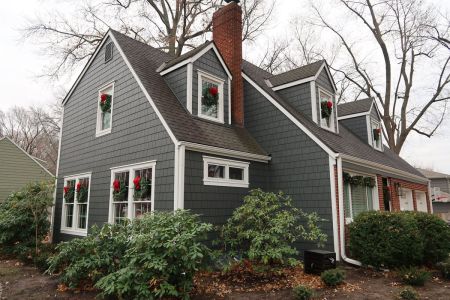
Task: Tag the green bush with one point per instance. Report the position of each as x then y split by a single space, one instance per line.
414 276
303 292
24 220
408 293
264 228
152 257
333 277
444 267
385 239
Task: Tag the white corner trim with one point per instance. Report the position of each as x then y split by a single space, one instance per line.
290 116
190 74
314 102
179 172
332 163
354 115
195 57
30 156
169 131
229 101
225 152
291 84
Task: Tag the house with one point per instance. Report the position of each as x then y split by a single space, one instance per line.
18 168
144 131
440 192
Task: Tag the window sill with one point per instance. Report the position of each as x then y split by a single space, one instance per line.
216 120
79 232
102 133
230 183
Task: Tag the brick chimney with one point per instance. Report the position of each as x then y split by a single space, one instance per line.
227 35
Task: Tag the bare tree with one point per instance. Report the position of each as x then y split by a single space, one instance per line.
170 25
35 130
411 38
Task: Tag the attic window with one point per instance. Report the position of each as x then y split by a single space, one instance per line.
377 135
327 108
210 97
108 52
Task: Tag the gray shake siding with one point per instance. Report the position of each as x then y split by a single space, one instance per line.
441 183
216 203
177 82
358 126
137 136
298 96
299 167
374 114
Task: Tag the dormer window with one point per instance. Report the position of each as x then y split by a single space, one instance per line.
104 110
377 135
326 110
210 97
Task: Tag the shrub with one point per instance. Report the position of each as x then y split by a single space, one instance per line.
264 228
333 277
24 220
303 292
414 276
408 293
444 267
386 239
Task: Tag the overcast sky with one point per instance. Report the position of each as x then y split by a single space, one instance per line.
21 63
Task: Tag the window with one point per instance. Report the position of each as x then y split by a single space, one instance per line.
358 198
104 110
132 191
210 97
377 135
224 172
76 204
326 110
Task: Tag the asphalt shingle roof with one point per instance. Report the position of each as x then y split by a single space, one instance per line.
173 61
433 174
345 142
295 74
145 59
355 107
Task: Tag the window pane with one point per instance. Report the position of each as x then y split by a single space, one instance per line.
142 185
120 212
82 216
141 208
69 215
215 171
236 173
120 186
209 101
106 120
69 191
82 190
359 199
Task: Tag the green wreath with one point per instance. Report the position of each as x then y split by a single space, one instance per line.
69 194
210 96
82 194
105 102
121 193
144 190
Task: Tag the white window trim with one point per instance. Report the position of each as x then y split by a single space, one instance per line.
375 196
131 168
375 124
332 121
73 230
98 131
220 82
226 181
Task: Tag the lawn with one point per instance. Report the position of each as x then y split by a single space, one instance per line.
24 282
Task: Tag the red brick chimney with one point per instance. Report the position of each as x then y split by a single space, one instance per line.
227 35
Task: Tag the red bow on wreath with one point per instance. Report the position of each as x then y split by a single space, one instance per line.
103 98
329 104
66 190
137 182
78 186
116 185
213 91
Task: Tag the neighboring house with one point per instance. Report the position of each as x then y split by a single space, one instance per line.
440 192
18 168
143 131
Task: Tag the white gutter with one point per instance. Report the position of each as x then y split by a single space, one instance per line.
341 215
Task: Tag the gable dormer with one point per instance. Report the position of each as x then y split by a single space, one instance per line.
363 118
311 90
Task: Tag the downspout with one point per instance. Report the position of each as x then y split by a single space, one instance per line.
341 215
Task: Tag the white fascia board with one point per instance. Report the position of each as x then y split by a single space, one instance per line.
189 74
225 152
290 116
354 115
293 83
197 56
332 163
314 104
138 80
393 171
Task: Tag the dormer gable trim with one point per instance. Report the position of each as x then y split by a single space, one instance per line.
373 105
192 59
308 79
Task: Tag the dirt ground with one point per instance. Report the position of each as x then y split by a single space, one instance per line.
24 282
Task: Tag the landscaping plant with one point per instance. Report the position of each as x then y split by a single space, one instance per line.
408 293
264 229
444 267
24 221
303 292
333 277
414 276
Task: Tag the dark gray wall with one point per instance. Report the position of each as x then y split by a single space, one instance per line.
137 136
216 203
374 114
358 126
177 82
441 183
210 64
299 97
299 167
